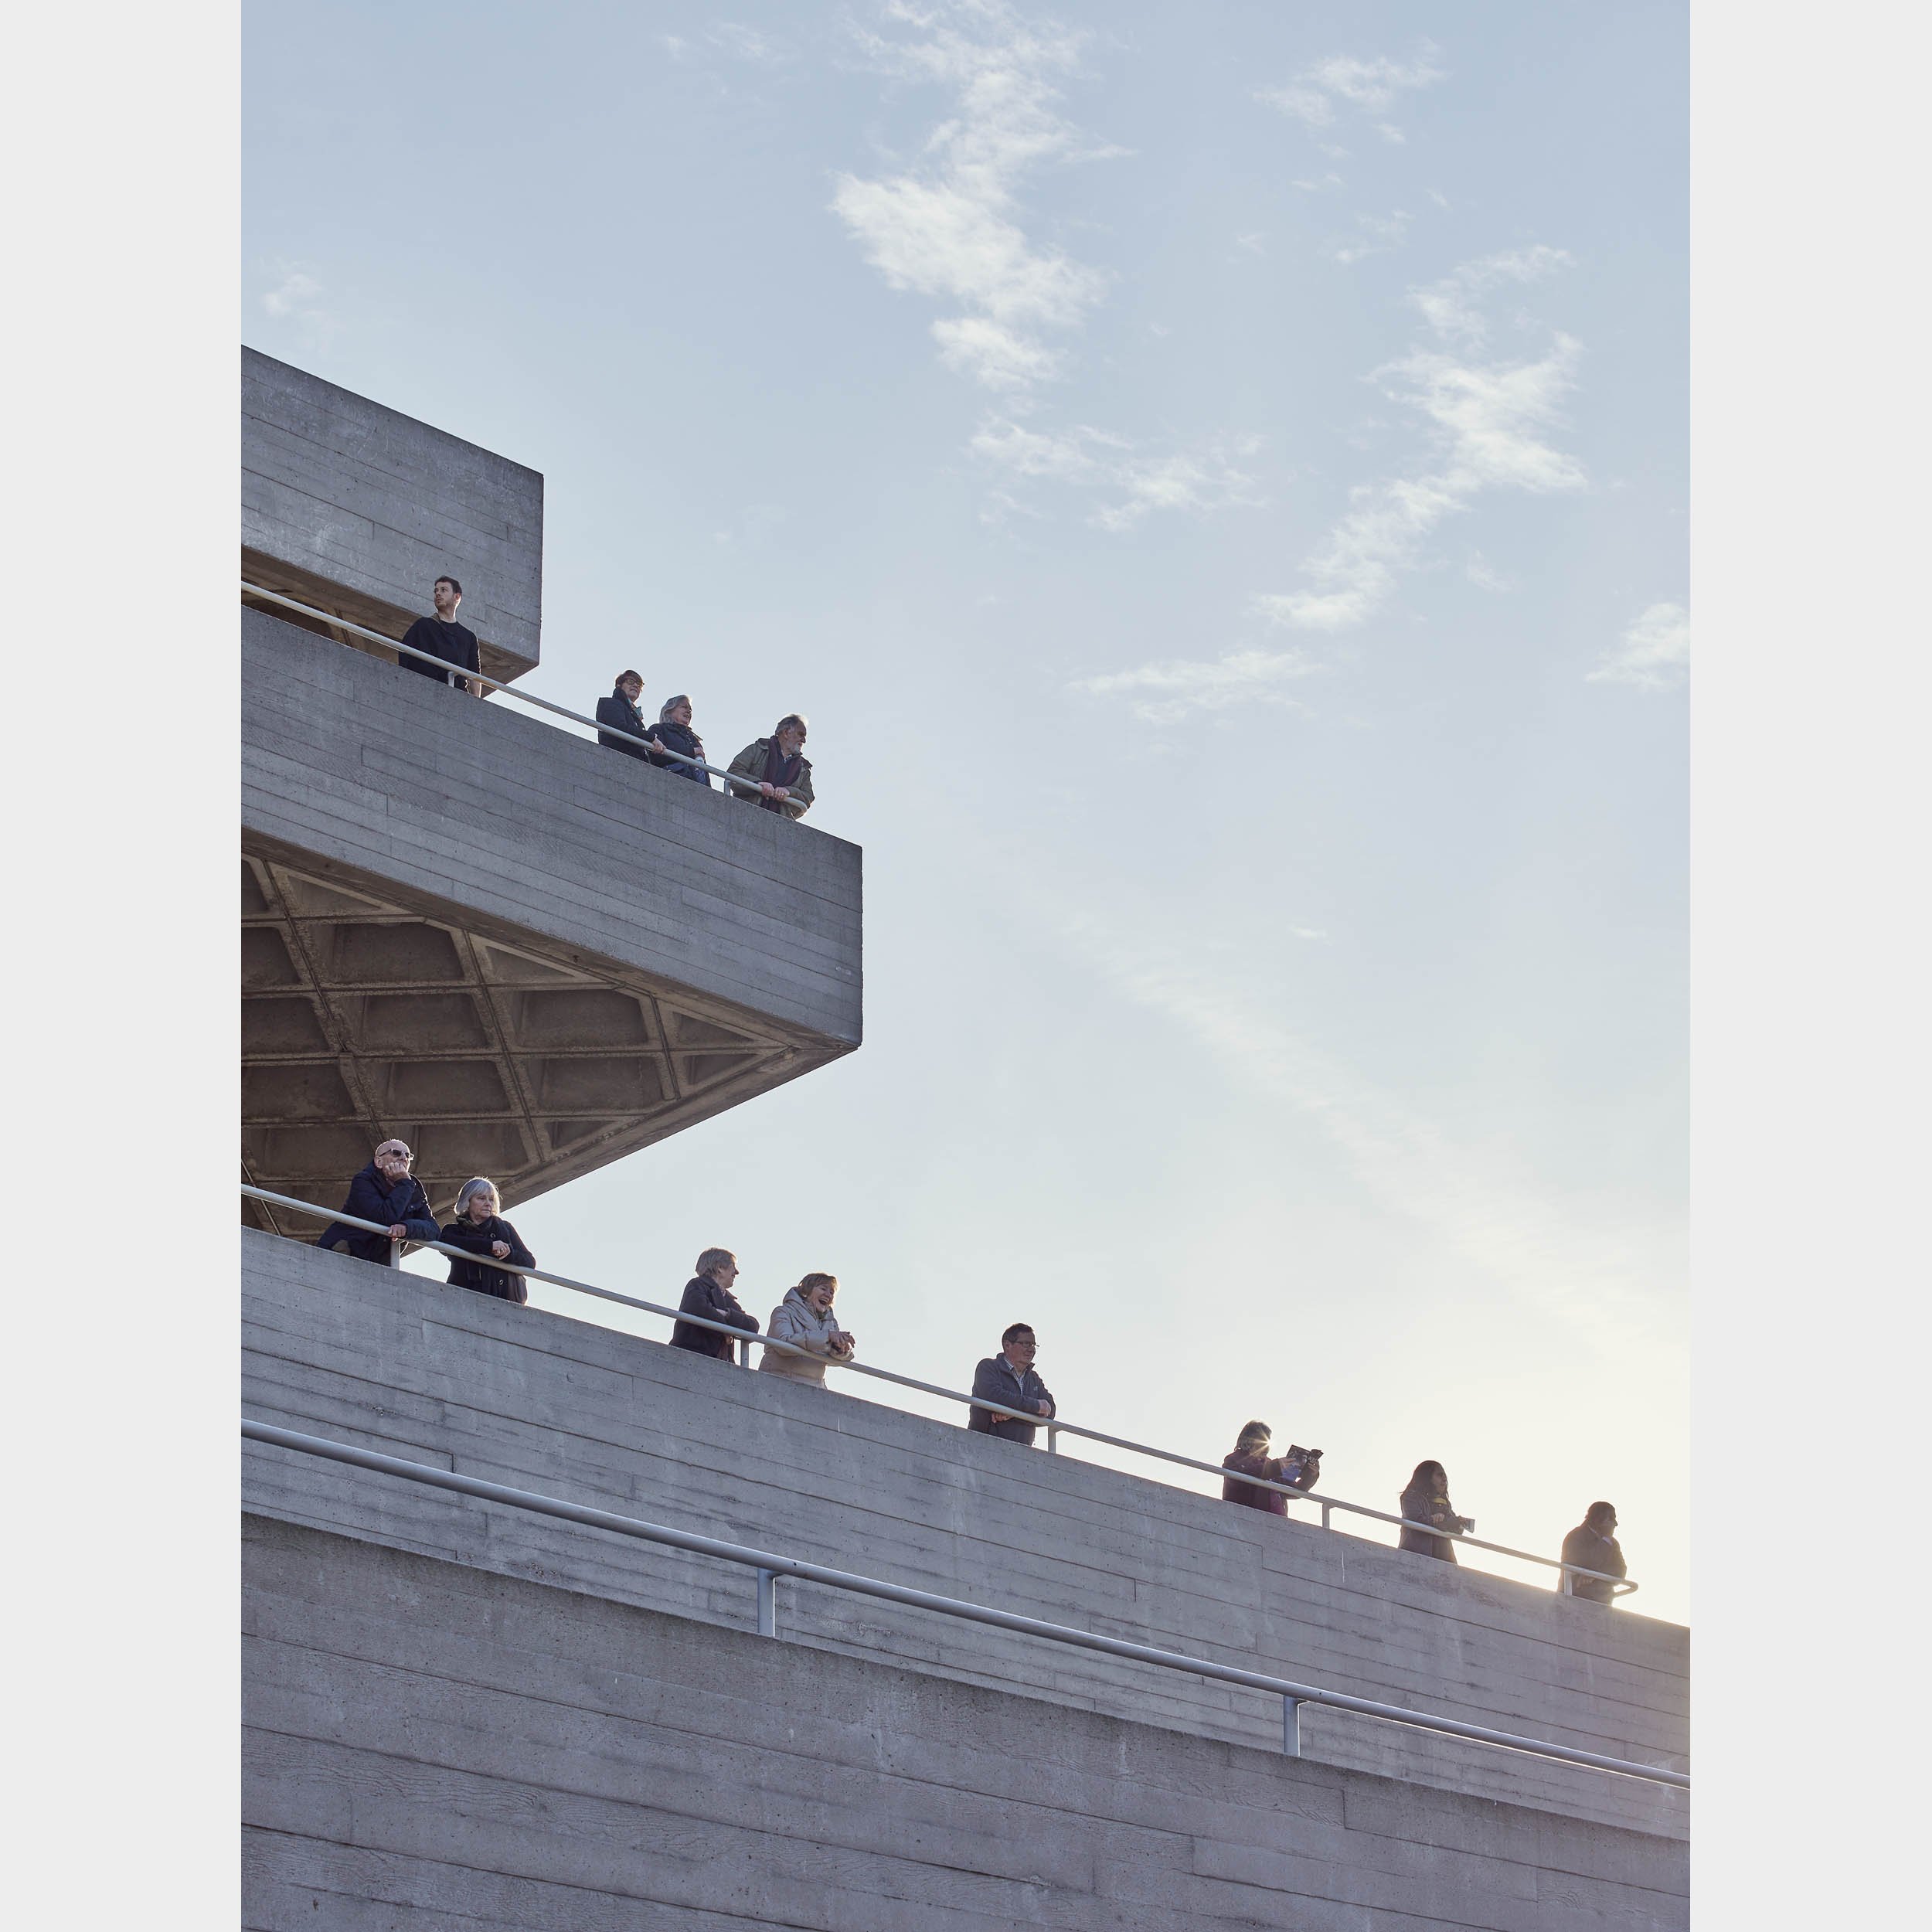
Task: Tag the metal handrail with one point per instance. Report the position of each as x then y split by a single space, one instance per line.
770 1566
496 684
1051 1424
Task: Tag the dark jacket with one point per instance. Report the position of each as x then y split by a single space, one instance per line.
1419 1506
371 1199
621 715
703 1296
455 644
1584 1546
1269 1468
477 1238
994 1380
676 737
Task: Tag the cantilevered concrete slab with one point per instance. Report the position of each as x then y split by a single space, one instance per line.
358 508
524 953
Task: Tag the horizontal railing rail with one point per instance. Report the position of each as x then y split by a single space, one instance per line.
496 684
770 1567
1053 1425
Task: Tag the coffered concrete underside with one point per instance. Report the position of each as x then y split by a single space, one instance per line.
368 1012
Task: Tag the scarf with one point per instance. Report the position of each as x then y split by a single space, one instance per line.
779 771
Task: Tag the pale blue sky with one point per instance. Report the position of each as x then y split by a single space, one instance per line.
1215 479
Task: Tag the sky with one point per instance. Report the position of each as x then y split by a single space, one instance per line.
1215 479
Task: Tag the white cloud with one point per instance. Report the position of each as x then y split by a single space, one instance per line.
747 43
1488 427
1655 652
1375 235
1451 307
1204 478
1372 85
294 295
949 226
1162 692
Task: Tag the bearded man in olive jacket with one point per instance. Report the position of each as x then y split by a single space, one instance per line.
779 773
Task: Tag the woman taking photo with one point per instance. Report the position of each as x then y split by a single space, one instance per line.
1300 1468
481 1230
1427 1500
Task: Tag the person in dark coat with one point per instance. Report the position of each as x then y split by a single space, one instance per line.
1427 1500
1010 1379
1300 1467
442 636
385 1190
1594 1544
628 732
674 732
480 1229
707 1293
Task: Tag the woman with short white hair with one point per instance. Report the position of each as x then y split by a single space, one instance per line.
479 1228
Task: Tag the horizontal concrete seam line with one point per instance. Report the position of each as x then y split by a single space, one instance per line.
746 1556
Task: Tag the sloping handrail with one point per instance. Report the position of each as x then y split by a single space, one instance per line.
1053 1425
770 1566
496 684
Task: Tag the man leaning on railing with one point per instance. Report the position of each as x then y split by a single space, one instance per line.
442 636
708 1294
1010 1379
779 772
1592 1545
384 1191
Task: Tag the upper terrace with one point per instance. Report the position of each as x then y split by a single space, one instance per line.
461 924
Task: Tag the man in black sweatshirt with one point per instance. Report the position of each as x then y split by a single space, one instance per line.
387 1192
442 636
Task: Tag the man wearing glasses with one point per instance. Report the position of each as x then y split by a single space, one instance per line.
779 774
1010 1379
385 1190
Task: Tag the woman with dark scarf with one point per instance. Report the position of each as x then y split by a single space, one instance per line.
673 731
1427 1500
778 775
479 1229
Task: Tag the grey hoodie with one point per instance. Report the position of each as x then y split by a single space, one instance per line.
794 1319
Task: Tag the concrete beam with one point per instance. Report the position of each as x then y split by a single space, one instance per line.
359 508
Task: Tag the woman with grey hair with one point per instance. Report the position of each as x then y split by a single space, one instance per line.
479 1228
804 1319
674 732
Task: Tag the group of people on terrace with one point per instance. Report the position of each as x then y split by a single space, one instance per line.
771 773
1010 1400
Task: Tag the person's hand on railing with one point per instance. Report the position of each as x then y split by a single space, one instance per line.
399 1233
774 791
501 1249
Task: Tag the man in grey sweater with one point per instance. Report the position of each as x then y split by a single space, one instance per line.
1010 1379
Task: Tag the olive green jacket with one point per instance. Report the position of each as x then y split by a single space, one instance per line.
750 763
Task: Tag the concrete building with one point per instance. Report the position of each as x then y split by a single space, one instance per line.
462 1714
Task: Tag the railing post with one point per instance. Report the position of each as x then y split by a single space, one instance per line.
396 1254
767 1603
1328 1510
1290 1724
744 1352
1052 1439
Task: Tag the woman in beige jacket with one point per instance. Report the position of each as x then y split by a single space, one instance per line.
804 1318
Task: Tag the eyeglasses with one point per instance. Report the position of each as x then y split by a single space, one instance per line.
396 1154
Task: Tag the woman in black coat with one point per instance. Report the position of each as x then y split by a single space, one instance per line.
479 1229
673 731
1427 1500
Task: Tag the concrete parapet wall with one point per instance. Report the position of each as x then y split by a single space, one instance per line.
427 1745
509 819
441 1376
364 508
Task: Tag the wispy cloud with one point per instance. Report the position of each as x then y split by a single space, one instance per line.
1138 481
1654 654
1453 307
1164 692
1487 426
1319 95
294 295
1480 1207
951 225
1375 235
